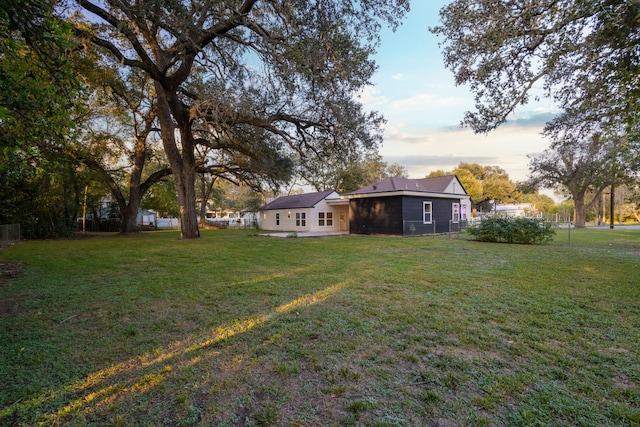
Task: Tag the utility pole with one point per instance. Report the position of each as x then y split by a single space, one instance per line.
611 209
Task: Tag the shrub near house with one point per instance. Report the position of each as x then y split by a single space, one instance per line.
513 230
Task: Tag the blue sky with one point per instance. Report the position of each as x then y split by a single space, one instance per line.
423 107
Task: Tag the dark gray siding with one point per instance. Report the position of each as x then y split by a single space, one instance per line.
441 211
382 215
399 215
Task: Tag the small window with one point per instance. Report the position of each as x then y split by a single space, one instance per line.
463 212
427 212
301 219
277 219
321 219
455 212
329 219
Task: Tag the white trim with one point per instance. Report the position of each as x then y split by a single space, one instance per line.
424 204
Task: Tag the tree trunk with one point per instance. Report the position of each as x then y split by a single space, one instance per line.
581 211
129 216
182 163
205 195
185 184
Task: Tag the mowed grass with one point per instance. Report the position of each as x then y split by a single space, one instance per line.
240 330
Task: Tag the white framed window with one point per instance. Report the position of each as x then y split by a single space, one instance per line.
301 219
325 219
455 212
427 212
463 212
277 219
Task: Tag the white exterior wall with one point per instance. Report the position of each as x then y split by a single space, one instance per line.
455 187
288 218
324 207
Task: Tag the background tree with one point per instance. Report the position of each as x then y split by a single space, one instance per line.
583 165
541 202
583 55
37 84
37 95
631 194
485 184
278 76
347 175
162 198
116 134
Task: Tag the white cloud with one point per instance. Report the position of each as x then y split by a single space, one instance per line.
424 150
371 98
397 76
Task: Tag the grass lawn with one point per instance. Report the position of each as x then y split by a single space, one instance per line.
240 330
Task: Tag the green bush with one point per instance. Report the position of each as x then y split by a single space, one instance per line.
513 230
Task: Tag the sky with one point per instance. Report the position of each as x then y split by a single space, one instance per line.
423 107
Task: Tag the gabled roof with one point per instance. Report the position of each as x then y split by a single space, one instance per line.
298 201
436 184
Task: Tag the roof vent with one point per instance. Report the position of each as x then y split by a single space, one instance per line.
375 187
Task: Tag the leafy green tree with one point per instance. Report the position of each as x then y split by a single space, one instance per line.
541 202
264 79
347 175
584 166
162 197
37 85
583 55
115 136
485 184
37 96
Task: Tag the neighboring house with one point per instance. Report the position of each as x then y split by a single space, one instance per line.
401 206
147 220
517 210
323 211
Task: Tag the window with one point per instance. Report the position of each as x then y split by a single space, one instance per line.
455 212
426 212
463 212
277 219
301 219
325 218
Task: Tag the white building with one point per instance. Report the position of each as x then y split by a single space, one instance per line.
323 211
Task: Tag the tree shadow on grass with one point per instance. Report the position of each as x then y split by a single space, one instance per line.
172 385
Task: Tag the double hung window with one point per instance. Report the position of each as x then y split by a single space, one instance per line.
455 212
427 212
301 219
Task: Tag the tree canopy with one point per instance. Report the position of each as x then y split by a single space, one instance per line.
485 184
583 55
258 79
584 159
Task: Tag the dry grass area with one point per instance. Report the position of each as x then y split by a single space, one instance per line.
240 330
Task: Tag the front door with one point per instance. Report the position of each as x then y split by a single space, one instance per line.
343 221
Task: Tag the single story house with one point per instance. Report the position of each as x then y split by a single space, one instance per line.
401 206
322 211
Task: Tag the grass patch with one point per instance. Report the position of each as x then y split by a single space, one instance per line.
235 329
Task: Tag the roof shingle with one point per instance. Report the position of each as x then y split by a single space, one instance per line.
298 201
436 184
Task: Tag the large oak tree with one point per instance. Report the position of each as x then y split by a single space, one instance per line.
582 54
584 159
263 78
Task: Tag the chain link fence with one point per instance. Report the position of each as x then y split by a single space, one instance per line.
9 234
418 228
